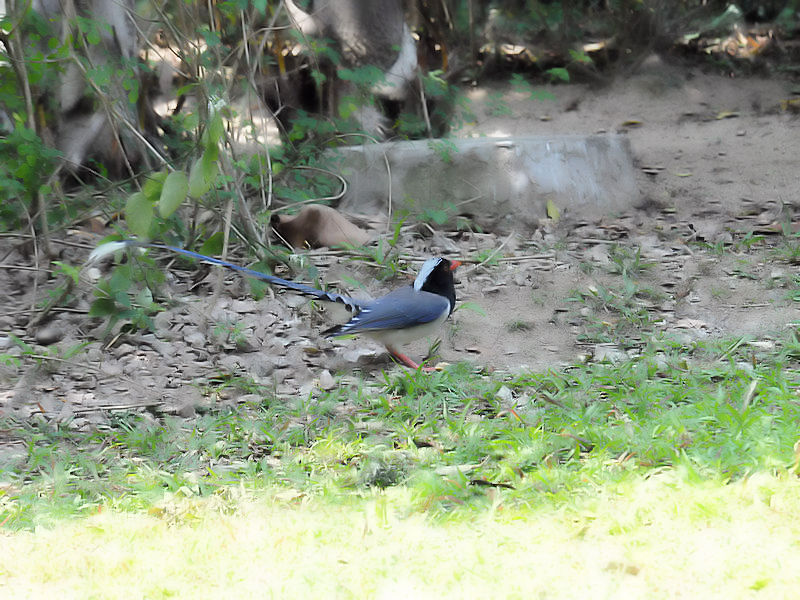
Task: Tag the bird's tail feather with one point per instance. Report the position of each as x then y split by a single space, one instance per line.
110 247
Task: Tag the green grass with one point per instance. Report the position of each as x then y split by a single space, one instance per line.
663 536
674 473
789 248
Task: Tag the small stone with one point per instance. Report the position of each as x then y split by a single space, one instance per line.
262 367
93 274
94 354
505 394
359 355
295 301
186 410
65 414
163 321
165 349
111 368
49 334
777 274
326 380
762 344
244 306
611 354
125 349
195 339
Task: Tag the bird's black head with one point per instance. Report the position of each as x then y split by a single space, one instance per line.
436 277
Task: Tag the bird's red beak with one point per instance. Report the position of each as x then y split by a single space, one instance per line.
454 264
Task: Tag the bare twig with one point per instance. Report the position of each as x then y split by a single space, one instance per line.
424 104
491 255
333 198
28 236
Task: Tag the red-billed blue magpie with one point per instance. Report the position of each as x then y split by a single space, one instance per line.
401 316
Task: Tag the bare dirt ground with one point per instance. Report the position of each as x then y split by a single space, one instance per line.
719 159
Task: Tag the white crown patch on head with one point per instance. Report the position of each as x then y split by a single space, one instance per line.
427 268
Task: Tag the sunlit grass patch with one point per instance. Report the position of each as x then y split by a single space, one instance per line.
657 536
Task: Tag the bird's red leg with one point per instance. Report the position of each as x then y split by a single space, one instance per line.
402 358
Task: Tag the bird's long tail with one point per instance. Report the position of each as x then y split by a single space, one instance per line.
104 250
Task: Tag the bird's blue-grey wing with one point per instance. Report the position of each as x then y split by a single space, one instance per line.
400 309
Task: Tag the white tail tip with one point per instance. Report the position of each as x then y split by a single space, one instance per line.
105 249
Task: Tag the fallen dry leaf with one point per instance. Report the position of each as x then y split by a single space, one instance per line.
690 324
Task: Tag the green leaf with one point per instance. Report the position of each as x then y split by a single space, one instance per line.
437 216
183 91
176 185
197 183
27 348
318 77
139 214
213 245
144 298
153 185
348 106
122 299
542 95
365 76
120 280
211 37
68 271
258 287
202 175
209 164
102 307
74 350
580 56
216 129
558 73
471 306
10 361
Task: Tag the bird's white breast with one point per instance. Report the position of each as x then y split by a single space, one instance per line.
397 337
